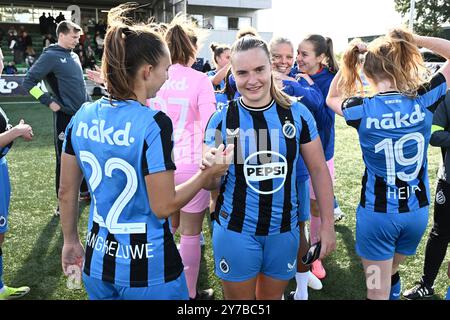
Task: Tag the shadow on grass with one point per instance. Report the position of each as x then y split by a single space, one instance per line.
42 270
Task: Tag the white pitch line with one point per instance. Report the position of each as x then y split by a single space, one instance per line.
20 102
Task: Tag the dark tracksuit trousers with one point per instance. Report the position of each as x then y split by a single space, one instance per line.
60 122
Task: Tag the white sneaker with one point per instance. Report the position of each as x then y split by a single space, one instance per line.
338 214
314 282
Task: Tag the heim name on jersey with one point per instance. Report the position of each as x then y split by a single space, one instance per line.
98 133
396 120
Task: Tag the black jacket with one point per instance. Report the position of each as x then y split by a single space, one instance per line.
440 136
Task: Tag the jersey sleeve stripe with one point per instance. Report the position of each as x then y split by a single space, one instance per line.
166 130
305 135
435 105
435 82
68 147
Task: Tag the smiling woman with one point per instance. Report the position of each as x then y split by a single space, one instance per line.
130 251
268 131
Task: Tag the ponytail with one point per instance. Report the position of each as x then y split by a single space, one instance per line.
181 37
351 63
394 57
324 46
228 89
127 47
333 65
217 50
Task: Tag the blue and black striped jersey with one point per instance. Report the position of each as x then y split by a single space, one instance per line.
394 131
221 98
258 195
116 147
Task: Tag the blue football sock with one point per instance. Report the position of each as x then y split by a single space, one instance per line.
1 268
396 287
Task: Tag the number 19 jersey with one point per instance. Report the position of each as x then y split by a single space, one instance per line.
116 146
394 132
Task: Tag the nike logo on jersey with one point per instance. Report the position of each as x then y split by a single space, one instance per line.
63 60
98 133
396 120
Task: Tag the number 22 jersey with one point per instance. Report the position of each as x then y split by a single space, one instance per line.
116 146
394 132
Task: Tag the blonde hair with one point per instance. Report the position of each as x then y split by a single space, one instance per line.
394 57
246 31
250 42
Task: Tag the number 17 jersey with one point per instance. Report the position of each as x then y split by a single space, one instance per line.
394 131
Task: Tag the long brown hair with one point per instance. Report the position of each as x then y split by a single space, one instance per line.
394 57
182 39
127 47
324 45
217 49
249 42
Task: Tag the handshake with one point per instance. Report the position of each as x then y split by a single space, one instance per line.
216 161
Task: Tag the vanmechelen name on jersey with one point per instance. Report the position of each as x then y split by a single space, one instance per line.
396 120
99 133
119 250
273 167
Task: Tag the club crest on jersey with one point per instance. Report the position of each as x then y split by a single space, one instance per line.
440 197
289 130
223 265
97 132
2 221
264 166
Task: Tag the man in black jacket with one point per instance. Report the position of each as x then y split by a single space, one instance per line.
62 72
440 233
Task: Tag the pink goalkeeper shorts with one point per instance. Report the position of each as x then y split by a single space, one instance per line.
201 200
